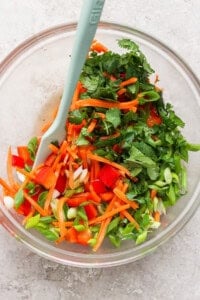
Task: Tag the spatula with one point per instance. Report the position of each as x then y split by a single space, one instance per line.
86 29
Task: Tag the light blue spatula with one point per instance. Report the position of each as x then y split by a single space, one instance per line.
86 29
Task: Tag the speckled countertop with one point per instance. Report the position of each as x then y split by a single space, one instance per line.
173 271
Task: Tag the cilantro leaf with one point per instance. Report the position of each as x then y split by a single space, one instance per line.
113 116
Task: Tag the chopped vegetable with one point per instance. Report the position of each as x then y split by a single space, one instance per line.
120 166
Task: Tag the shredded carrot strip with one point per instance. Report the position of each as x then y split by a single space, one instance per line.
53 148
126 214
25 173
75 96
153 194
121 91
98 47
72 152
109 214
92 125
71 174
66 224
102 233
6 187
107 196
123 197
105 104
51 190
46 126
128 82
101 115
61 153
107 161
157 216
94 195
35 204
104 225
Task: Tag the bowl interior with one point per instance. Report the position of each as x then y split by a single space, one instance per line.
31 83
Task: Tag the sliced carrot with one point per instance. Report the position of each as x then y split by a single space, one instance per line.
107 196
98 47
92 125
53 148
106 104
153 194
129 81
76 95
25 173
76 201
102 233
156 216
66 224
109 214
101 115
24 153
121 195
107 161
35 204
71 174
126 214
121 91
7 188
62 153
94 195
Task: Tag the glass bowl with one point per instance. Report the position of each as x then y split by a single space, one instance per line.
31 81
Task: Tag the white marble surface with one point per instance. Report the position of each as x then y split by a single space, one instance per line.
173 272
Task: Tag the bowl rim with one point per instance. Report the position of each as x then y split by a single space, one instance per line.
94 260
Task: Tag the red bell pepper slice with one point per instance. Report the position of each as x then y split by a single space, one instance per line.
24 154
71 235
24 208
17 161
109 175
83 237
91 211
61 183
154 118
98 186
45 176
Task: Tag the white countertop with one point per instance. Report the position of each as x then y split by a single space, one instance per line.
173 271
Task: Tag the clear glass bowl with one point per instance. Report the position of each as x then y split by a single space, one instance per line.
31 80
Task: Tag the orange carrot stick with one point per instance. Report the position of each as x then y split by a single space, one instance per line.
126 214
6 187
105 104
35 204
153 194
109 214
53 148
92 125
76 95
107 161
107 196
98 47
121 91
94 195
102 233
123 197
156 216
129 81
